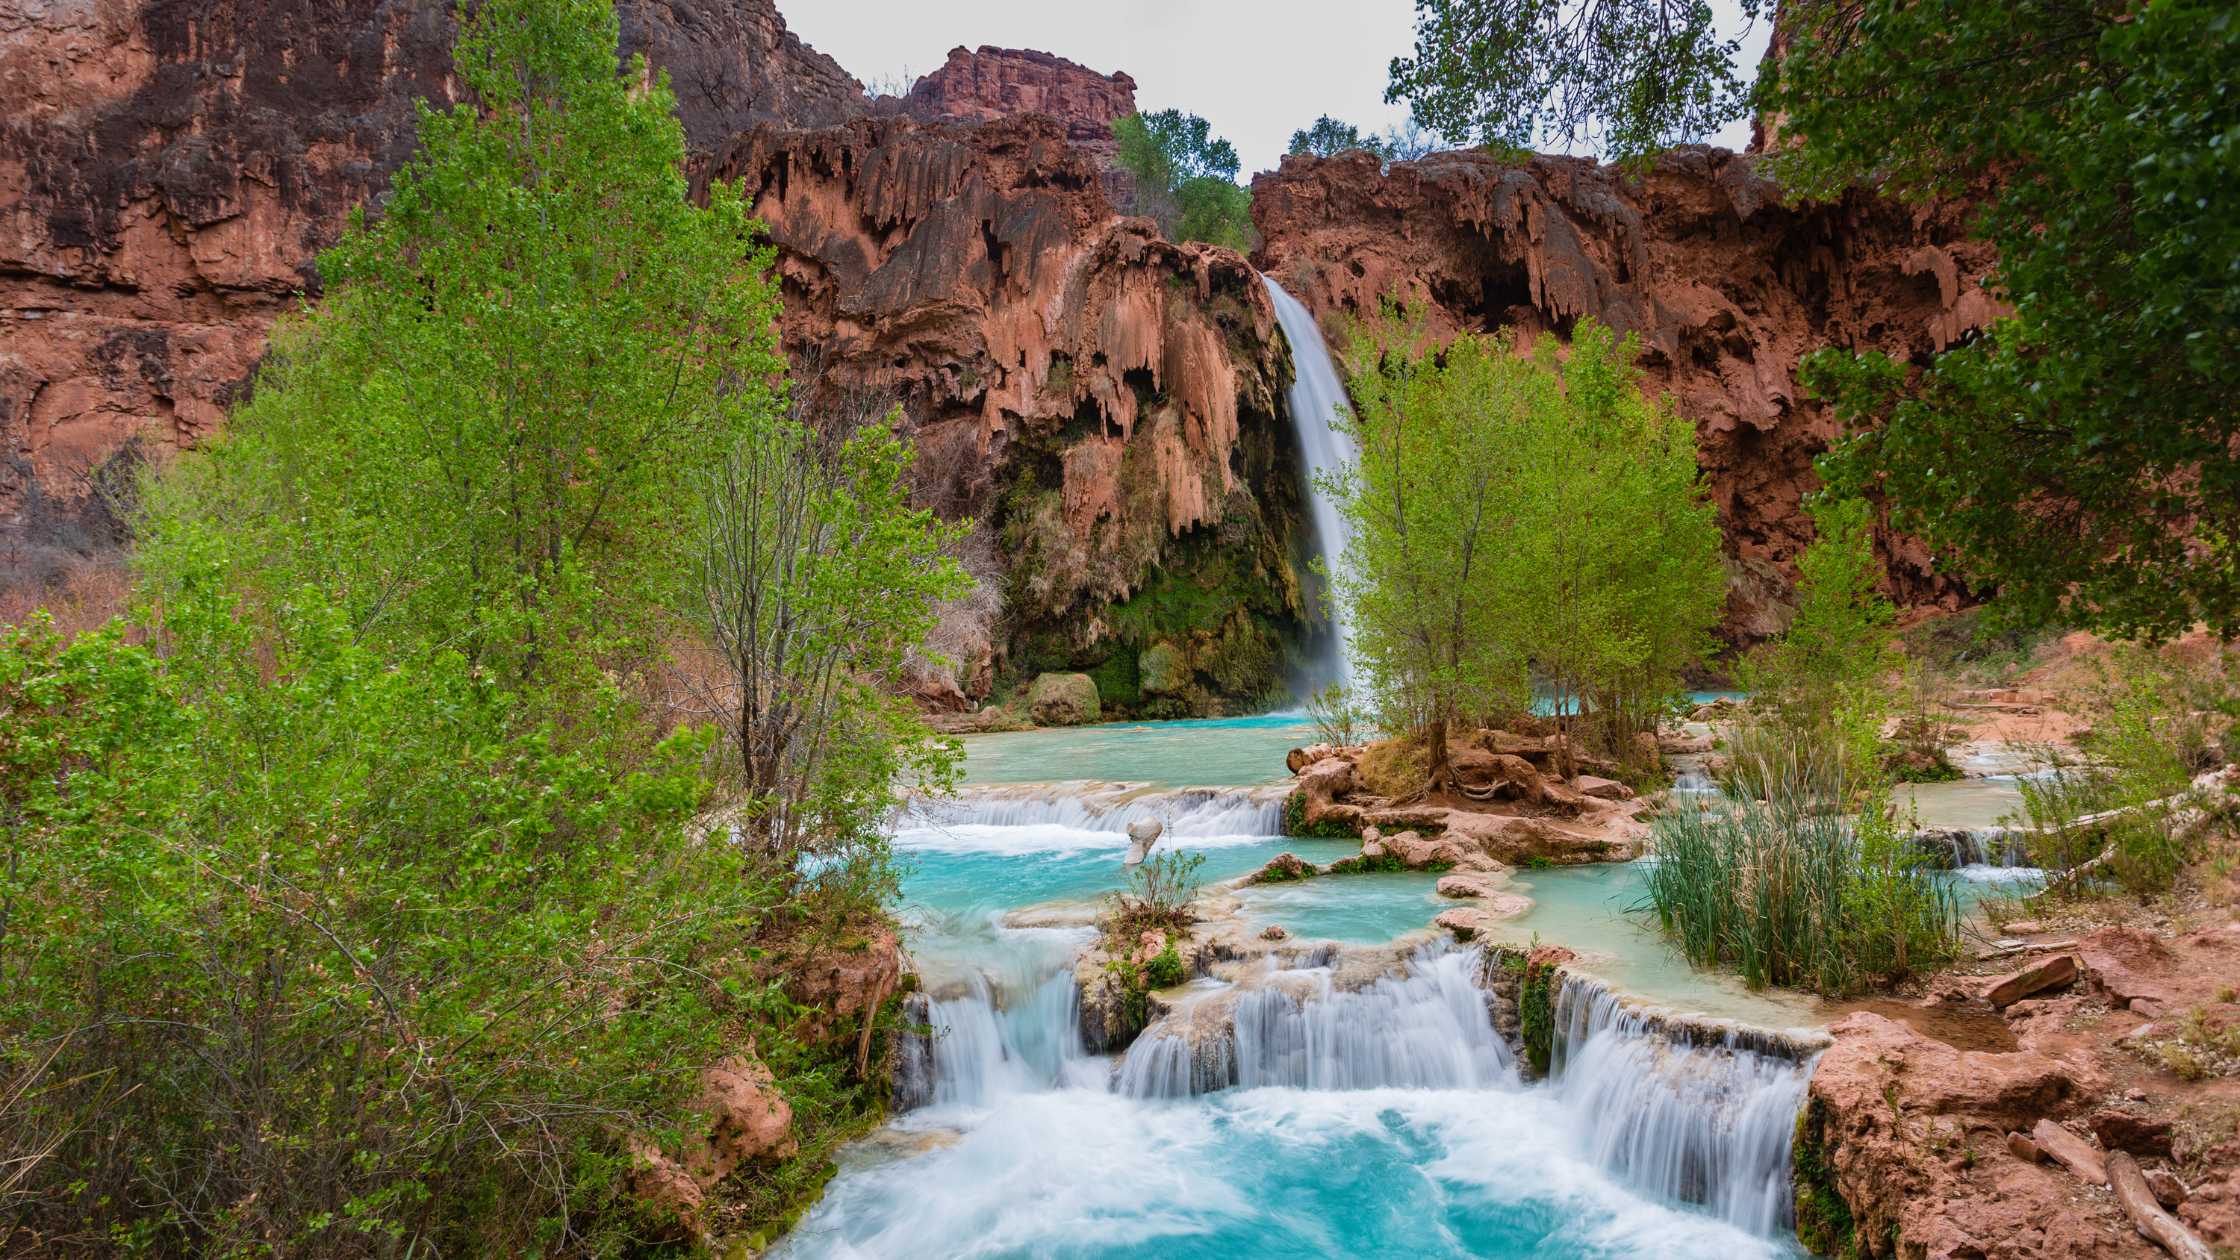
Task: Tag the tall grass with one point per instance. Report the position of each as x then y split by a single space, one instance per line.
1789 892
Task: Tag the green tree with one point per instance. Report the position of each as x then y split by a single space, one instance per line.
408 921
1329 137
1512 513
2082 455
1632 75
816 579
475 441
1186 178
1625 572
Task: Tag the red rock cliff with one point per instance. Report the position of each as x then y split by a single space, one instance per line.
1105 403
997 83
1726 286
168 172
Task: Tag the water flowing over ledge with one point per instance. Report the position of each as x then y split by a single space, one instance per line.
1681 1108
1691 1110
1317 399
972 818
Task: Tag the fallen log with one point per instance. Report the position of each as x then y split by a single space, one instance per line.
2146 1213
2071 1152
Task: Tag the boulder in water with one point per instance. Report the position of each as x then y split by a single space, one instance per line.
1063 700
1283 868
1142 834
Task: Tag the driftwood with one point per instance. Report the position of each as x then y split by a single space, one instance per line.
2071 1152
2146 1213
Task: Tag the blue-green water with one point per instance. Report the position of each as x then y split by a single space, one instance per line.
1209 752
1264 1174
1027 1149
1351 908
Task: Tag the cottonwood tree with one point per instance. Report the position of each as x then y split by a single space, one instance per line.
1514 514
1631 76
817 580
2081 455
475 440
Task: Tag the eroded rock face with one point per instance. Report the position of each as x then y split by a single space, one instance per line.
1726 286
168 172
1106 404
992 83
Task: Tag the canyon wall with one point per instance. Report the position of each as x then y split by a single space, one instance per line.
1726 286
1105 405
169 171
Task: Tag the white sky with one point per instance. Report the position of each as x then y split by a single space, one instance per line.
1257 69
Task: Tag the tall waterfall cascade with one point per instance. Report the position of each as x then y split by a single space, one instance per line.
1317 400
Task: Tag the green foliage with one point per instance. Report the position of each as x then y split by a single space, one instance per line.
410 916
434 948
1381 864
2081 455
1824 1222
1337 720
1790 892
1633 75
1536 1019
1511 513
2156 722
816 580
1160 890
1186 178
1839 640
474 442
1164 971
1329 137
1819 691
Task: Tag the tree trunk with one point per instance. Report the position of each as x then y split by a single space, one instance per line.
1440 776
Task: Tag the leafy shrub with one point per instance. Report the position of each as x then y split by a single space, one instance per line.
1337 719
436 954
1158 897
1164 971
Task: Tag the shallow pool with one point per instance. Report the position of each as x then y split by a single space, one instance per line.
1208 752
1357 909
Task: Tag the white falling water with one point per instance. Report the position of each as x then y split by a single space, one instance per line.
1429 1028
987 818
1316 399
1704 1123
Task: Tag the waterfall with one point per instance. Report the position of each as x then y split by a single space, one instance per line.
1108 807
1703 1119
1316 398
1430 1028
986 1044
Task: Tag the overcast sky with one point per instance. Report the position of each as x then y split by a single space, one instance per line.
1259 69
